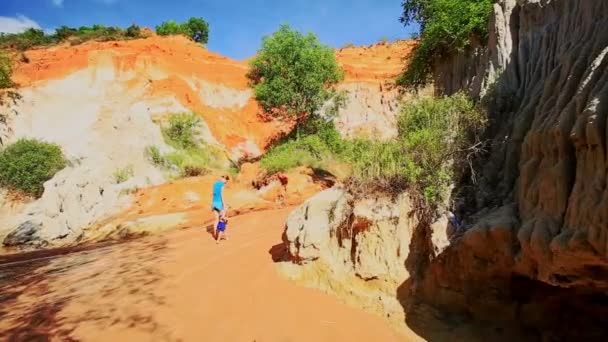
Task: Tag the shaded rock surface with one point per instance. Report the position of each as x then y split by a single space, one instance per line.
533 257
25 234
357 247
537 242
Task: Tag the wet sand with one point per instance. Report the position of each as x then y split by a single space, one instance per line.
179 286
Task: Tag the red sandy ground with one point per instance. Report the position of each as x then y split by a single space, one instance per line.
181 286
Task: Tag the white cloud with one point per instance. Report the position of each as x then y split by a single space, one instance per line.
58 3
17 24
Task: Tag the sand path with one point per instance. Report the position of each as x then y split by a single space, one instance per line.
179 286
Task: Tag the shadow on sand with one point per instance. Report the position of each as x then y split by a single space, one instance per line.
34 292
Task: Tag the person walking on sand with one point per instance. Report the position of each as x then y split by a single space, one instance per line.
284 180
217 204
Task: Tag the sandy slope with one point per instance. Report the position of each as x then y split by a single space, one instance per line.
180 286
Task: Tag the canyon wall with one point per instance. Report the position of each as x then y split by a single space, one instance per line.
532 255
539 231
104 102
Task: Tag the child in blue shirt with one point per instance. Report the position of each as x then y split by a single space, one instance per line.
217 205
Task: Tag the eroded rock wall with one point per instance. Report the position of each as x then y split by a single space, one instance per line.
534 252
538 228
357 248
102 102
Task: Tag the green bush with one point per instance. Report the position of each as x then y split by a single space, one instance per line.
6 71
293 73
436 136
33 37
168 28
122 175
65 32
27 164
191 156
318 149
446 26
195 28
133 31
181 132
188 161
155 156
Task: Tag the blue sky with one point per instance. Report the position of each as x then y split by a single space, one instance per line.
236 26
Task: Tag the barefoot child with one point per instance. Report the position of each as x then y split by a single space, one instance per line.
217 203
221 229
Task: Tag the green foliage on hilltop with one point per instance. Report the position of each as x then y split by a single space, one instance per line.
35 37
446 26
195 28
293 74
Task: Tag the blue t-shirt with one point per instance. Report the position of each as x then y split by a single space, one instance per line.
217 202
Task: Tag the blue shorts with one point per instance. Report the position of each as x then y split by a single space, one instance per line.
221 226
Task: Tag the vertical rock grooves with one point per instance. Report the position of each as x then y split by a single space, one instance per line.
533 259
542 233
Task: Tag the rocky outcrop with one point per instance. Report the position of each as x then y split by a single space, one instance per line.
356 248
539 227
534 252
548 157
373 102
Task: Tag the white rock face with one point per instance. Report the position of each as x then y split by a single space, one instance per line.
371 110
357 248
102 117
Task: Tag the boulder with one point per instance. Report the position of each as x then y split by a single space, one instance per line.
26 234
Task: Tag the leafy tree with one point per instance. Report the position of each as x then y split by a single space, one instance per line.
133 31
197 29
293 73
446 26
168 28
65 32
28 163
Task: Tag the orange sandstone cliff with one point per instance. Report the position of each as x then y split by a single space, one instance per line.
103 103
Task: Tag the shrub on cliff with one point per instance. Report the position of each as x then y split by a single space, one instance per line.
25 40
191 155
6 70
168 28
317 150
439 136
181 131
27 164
133 31
293 73
446 26
195 28
34 37
436 139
